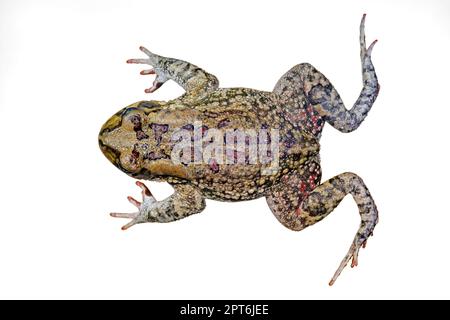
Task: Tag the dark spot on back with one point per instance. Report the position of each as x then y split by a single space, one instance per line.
141 135
188 126
213 166
148 104
223 123
159 130
137 122
151 155
289 140
134 154
204 130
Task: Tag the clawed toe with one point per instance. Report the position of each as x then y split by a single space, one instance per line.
143 207
130 224
134 202
135 216
138 61
148 71
156 86
146 51
124 215
365 52
352 254
152 60
355 257
364 244
369 50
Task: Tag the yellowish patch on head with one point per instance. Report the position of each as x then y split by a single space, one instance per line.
166 167
112 122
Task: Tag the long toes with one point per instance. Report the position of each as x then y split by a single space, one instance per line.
130 224
362 36
139 61
145 50
369 50
355 259
364 244
150 90
143 187
124 215
148 71
156 86
341 267
145 190
134 202
352 254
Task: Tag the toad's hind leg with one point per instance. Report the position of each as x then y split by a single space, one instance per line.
311 99
297 209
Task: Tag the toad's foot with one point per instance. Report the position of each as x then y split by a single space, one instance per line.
157 63
365 52
359 241
186 200
143 215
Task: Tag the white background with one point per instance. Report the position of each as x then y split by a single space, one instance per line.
63 73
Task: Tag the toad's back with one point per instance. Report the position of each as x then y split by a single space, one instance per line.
233 144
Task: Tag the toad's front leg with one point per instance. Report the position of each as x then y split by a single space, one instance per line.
186 200
196 81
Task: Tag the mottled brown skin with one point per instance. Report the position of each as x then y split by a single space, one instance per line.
139 140
224 109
